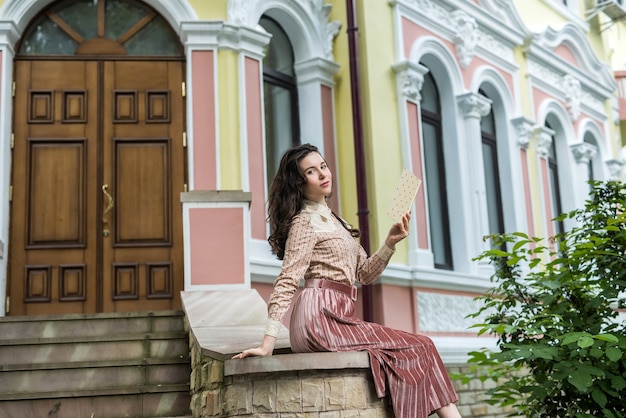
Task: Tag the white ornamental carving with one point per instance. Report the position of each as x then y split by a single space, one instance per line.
466 37
584 152
439 312
412 85
573 95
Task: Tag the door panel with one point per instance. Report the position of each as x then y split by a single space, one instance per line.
142 157
52 247
98 168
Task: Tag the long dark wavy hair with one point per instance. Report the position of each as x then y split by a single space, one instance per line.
286 197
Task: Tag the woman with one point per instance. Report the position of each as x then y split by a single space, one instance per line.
316 244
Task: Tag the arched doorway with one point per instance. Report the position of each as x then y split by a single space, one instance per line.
98 161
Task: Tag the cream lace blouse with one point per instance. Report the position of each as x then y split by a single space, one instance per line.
318 246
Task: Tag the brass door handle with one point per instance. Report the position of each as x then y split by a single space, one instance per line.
105 231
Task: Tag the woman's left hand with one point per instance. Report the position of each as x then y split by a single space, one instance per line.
398 231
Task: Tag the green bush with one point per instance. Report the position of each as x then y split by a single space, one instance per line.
554 310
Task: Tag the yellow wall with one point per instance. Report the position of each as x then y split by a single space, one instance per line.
380 115
229 123
378 90
343 119
210 9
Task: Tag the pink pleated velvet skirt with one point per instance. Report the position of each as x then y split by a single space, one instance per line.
407 366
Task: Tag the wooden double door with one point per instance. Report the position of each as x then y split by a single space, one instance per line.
98 168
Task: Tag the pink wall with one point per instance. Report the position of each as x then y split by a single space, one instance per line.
527 194
565 53
547 196
203 99
394 307
216 238
411 32
418 170
256 160
328 129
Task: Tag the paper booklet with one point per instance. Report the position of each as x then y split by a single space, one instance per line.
404 195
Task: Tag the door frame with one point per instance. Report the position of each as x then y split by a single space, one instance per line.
15 16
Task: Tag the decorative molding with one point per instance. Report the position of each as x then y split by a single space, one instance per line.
237 12
8 36
494 46
474 105
331 27
568 88
317 69
573 95
497 28
543 137
410 77
248 12
584 152
524 128
465 38
616 168
594 75
440 312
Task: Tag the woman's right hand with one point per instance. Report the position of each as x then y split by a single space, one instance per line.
265 349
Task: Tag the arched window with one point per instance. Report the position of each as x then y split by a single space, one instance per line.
434 165
492 174
553 173
100 27
282 130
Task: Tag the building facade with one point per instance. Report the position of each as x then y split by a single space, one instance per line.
138 139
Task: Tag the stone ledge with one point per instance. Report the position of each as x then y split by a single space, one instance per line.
298 362
220 196
226 322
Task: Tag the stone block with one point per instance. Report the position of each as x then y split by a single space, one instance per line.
264 396
335 394
313 395
216 373
288 396
238 399
211 402
479 410
356 392
330 414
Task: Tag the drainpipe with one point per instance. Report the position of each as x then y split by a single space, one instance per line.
359 153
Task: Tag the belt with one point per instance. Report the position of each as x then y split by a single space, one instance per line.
329 284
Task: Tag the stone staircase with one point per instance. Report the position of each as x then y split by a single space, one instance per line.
94 366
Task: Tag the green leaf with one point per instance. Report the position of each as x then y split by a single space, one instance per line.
572 337
613 353
608 414
618 383
581 381
585 341
607 337
598 395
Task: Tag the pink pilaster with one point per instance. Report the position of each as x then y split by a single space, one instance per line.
204 120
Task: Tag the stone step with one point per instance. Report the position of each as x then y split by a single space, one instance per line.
100 405
91 377
89 325
83 349
95 365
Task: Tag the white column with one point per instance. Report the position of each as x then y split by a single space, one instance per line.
8 38
473 107
583 153
409 83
